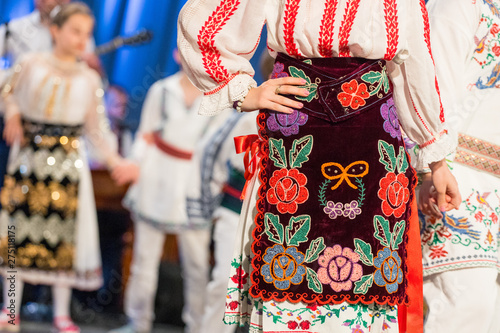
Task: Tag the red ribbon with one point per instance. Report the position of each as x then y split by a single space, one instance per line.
251 146
411 317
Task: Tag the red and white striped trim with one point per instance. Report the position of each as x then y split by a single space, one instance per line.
326 31
290 18
427 37
345 29
434 139
206 39
220 87
392 28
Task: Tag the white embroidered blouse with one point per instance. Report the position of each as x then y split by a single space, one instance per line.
217 38
47 90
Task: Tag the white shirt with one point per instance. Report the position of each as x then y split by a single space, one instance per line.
218 38
466 44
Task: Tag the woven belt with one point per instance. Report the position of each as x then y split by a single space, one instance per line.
170 149
478 154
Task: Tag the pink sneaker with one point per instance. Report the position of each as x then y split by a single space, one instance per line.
64 324
6 324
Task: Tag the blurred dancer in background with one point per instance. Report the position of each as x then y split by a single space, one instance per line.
48 214
25 35
461 247
169 130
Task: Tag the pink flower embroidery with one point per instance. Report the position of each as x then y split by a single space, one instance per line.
339 268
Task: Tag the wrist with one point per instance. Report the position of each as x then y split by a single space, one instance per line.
438 164
237 104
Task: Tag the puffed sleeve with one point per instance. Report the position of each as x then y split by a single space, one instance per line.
416 90
13 78
216 40
98 132
453 28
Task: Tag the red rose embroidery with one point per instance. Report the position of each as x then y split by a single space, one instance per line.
394 194
233 305
293 325
495 29
240 278
305 325
353 94
287 190
496 50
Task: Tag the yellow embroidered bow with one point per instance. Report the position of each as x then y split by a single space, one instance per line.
334 171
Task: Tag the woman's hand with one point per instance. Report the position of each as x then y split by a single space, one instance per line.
13 130
125 172
447 195
427 197
269 95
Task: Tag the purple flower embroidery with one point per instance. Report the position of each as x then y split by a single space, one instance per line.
288 124
278 71
351 210
408 143
391 124
333 210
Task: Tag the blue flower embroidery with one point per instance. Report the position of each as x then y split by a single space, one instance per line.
283 266
389 273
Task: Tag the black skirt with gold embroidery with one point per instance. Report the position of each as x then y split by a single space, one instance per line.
40 199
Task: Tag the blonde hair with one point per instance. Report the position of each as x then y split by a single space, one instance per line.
70 9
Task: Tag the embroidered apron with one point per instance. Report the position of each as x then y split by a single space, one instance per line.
334 206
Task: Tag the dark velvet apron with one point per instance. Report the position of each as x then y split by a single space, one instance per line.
336 189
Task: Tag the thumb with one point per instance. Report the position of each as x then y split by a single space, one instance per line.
441 201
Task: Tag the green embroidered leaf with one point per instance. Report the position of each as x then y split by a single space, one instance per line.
313 281
322 194
276 319
362 285
235 264
274 229
382 230
296 232
313 89
308 61
387 155
277 153
385 81
295 72
397 234
300 152
317 246
372 77
364 250
402 161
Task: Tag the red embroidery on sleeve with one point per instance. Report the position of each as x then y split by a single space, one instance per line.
392 28
427 37
292 7
346 27
326 32
206 40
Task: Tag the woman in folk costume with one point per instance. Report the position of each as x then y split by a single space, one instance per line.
461 249
329 236
48 222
